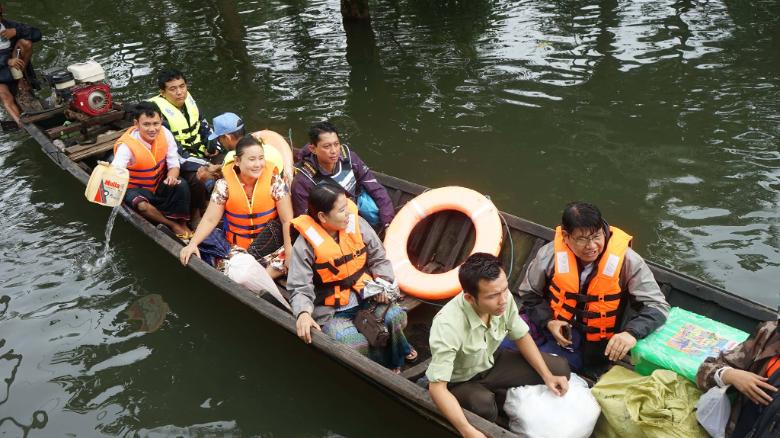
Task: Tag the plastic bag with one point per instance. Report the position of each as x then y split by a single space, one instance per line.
658 406
682 344
534 411
713 411
368 209
248 272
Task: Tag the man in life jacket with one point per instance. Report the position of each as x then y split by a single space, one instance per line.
183 118
753 369
148 151
16 48
579 288
326 158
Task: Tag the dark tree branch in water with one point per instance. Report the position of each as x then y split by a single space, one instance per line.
354 10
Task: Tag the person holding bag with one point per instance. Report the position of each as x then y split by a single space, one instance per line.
336 255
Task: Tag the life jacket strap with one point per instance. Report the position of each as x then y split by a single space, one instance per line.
333 266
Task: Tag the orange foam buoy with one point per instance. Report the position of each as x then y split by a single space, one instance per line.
280 144
486 221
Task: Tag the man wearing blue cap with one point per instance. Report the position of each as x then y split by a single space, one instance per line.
229 129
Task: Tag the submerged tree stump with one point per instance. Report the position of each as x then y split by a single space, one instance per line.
354 10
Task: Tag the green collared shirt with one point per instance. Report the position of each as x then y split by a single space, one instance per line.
462 345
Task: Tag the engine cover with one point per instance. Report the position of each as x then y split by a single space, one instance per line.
92 100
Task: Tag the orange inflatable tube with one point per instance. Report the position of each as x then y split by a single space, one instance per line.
469 202
280 144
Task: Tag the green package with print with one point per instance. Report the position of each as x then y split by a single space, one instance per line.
682 344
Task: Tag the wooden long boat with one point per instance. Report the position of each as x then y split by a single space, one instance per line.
440 242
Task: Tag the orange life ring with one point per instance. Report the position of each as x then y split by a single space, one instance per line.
445 285
280 144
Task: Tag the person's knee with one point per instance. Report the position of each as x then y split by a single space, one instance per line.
25 45
143 206
395 317
482 403
558 365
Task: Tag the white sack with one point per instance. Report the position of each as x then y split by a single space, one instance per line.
248 272
535 411
713 411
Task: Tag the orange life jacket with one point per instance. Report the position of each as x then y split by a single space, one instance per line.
602 299
339 267
244 218
149 168
772 366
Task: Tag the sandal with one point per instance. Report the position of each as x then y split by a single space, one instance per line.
412 356
185 237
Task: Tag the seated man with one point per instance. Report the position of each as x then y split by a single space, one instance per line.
325 157
182 116
753 368
466 369
578 289
148 151
229 129
15 39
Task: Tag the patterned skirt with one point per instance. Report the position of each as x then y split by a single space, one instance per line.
343 330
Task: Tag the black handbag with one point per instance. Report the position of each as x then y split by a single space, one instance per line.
372 327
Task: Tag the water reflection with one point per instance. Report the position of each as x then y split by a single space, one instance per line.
12 427
149 311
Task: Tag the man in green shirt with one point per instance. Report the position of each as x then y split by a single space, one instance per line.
466 371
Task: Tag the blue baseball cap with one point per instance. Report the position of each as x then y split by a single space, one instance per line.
226 123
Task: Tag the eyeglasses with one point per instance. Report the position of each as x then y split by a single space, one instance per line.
583 241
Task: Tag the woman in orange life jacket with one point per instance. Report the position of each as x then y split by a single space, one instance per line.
336 253
254 199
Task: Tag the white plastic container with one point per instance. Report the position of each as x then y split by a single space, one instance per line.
89 71
107 185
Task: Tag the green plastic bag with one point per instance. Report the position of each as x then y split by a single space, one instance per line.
682 344
661 405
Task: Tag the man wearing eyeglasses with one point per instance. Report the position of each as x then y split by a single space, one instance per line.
579 287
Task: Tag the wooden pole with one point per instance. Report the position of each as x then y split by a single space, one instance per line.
354 10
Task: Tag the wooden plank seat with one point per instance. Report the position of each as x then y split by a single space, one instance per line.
104 143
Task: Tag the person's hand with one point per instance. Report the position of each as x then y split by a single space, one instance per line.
16 63
752 385
171 180
619 345
8 33
557 384
303 326
382 298
555 327
186 252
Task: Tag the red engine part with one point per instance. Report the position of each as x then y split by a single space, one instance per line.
92 100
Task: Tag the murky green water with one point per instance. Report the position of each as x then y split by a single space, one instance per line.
666 114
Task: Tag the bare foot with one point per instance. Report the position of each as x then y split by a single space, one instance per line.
180 229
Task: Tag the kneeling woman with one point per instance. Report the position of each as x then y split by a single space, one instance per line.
254 199
336 252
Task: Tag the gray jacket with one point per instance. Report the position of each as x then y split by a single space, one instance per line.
300 278
644 295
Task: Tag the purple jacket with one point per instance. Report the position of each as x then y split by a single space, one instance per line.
302 183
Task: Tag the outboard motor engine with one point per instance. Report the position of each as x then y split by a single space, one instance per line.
82 87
